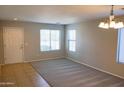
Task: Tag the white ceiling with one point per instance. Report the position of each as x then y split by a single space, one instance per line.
63 14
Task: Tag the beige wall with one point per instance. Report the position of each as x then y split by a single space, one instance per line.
32 38
0 74
96 47
1 46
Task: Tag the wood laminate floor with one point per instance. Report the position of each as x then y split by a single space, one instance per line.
21 75
56 73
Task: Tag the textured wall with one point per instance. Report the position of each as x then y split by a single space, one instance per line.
96 47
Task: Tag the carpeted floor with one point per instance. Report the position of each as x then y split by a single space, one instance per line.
66 73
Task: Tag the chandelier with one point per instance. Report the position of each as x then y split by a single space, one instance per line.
111 22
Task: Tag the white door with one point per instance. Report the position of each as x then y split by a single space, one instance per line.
13 45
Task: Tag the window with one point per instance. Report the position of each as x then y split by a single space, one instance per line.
120 57
72 40
49 40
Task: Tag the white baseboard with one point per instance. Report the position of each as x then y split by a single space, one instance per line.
95 68
2 64
43 59
35 60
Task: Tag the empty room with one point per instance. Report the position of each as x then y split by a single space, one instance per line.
61 46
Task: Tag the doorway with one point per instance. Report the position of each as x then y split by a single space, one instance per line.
13 45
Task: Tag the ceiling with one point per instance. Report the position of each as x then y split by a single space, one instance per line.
57 14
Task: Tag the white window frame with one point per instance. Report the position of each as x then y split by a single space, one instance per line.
118 46
69 40
51 40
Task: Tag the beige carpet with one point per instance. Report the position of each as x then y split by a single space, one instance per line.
66 73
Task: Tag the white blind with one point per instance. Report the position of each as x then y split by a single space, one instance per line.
72 40
49 40
121 46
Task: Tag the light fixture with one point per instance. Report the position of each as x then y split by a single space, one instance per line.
111 23
15 19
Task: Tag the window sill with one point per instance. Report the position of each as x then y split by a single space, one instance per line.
50 51
120 62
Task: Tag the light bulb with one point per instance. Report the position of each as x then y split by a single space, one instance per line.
101 25
112 24
106 26
119 25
